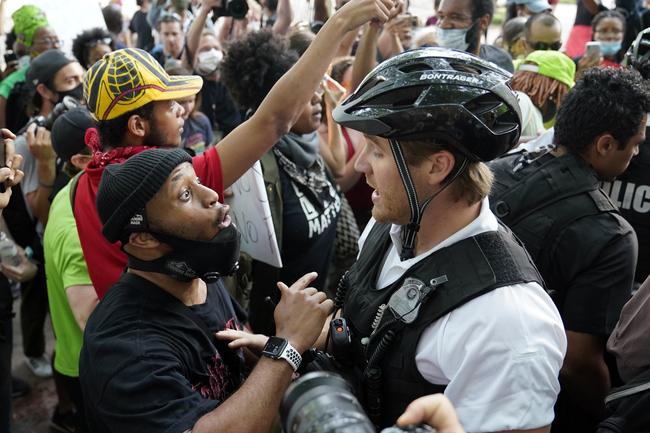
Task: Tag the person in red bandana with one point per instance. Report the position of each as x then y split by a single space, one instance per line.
134 102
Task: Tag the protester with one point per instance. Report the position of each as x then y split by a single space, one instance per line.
543 32
546 77
10 175
70 292
512 39
172 39
304 201
197 133
461 23
204 47
529 8
91 45
608 30
34 33
127 127
141 28
581 32
152 337
553 203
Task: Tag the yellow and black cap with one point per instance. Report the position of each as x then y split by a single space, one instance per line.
127 79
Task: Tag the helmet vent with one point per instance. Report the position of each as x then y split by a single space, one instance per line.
462 67
398 98
415 67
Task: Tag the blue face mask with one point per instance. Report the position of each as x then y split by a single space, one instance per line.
453 38
610 48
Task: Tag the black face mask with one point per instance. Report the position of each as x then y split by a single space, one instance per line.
77 93
549 110
188 260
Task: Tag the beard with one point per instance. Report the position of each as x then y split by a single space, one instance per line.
157 138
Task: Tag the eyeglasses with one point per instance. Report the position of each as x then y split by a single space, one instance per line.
545 46
95 42
610 31
48 42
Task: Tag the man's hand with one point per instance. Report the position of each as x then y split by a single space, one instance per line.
25 271
12 159
358 12
241 339
434 410
39 141
9 175
301 313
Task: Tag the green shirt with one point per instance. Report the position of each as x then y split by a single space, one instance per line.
11 80
64 267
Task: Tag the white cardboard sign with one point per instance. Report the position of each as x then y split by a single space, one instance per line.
250 211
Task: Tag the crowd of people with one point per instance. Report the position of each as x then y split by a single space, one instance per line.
461 225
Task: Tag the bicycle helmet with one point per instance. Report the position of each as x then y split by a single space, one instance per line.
440 94
437 93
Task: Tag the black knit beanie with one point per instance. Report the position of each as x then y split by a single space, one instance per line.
69 131
126 188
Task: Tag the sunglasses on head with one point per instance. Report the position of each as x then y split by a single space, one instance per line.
545 46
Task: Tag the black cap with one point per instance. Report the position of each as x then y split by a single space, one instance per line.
69 131
43 68
126 188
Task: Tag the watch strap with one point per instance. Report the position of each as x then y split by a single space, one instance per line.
292 356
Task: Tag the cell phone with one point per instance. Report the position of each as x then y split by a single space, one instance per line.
593 49
411 19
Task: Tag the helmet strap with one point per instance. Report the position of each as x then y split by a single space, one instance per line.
410 230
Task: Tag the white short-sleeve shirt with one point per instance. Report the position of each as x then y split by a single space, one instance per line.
499 354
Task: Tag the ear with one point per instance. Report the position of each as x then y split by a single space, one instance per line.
45 92
143 240
440 164
80 160
604 145
137 126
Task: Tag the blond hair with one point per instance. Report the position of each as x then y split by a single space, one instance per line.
472 185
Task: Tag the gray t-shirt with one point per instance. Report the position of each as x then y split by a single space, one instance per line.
29 183
497 56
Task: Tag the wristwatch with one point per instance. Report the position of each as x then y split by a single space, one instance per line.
279 348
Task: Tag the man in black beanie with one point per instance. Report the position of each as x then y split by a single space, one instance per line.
150 360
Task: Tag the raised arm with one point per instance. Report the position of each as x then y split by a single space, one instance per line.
284 17
284 103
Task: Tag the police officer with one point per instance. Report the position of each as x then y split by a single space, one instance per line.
583 248
630 191
442 297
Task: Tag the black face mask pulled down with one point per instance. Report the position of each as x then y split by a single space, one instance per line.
189 259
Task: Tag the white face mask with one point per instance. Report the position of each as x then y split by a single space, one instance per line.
207 62
453 38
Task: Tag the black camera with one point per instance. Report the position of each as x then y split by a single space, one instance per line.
66 104
231 8
323 402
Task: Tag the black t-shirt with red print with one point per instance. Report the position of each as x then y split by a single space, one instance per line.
150 363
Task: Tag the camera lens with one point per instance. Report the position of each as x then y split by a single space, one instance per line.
322 402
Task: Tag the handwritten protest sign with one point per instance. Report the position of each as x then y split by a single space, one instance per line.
249 209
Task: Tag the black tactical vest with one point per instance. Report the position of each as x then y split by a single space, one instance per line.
538 196
445 280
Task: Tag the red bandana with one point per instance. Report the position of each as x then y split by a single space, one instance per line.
113 156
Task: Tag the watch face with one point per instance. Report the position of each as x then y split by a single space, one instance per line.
274 346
